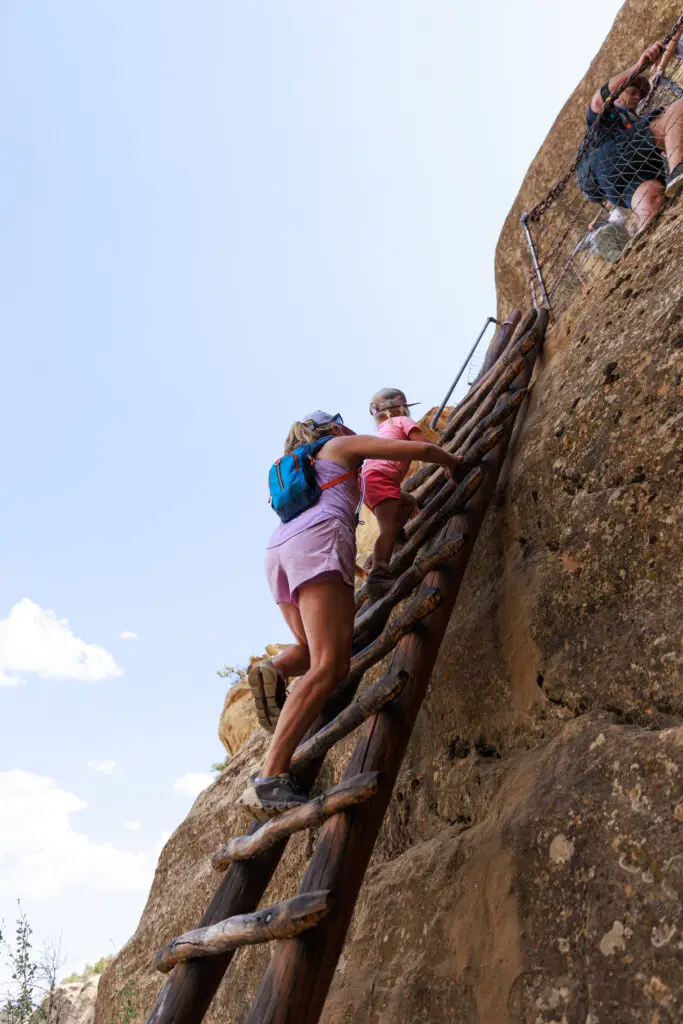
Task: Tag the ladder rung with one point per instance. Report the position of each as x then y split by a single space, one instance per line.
347 794
456 503
471 457
375 615
365 704
405 622
281 921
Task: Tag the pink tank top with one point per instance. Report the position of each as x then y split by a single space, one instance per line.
338 502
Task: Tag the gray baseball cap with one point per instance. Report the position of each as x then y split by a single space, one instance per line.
321 419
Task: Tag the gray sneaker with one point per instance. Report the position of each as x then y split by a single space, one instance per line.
269 691
278 793
674 183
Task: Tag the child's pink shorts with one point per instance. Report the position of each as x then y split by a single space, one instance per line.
379 487
320 551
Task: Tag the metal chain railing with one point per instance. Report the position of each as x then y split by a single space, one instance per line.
558 188
570 234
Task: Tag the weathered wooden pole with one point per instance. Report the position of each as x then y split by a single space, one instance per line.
499 343
296 982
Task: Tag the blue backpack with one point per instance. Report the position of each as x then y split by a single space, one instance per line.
293 483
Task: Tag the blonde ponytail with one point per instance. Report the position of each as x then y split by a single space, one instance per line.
303 433
388 414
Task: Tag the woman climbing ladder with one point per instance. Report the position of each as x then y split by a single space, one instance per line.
310 568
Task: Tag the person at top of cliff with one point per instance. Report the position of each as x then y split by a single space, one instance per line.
310 563
382 480
629 165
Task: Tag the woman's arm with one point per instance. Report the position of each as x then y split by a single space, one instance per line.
350 451
648 56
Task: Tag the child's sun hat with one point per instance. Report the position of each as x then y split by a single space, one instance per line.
388 398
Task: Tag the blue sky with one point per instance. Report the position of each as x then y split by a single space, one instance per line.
215 217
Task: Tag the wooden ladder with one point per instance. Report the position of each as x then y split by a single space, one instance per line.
310 928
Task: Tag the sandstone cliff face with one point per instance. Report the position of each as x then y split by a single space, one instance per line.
563 904
238 719
74 1003
530 869
636 25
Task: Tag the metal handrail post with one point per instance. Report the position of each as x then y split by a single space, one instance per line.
435 418
534 258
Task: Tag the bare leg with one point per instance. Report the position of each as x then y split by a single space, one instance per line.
392 515
647 201
667 131
327 610
295 659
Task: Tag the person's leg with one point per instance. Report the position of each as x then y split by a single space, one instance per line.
667 131
389 514
409 507
268 679
327 610
647 201
295 659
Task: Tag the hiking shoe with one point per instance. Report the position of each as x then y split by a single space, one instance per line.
674 183
379 581
269 691
278 793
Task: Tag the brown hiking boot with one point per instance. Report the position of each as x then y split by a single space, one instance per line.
269 691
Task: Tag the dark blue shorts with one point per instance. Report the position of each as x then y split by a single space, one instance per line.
626 161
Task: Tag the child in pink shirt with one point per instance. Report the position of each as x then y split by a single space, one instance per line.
382 480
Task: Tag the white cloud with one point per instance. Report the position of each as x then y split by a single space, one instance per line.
127 635
34 641
104 767
40 852
133 826
194 782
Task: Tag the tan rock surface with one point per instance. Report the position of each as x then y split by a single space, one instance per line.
636 25
564 904
238 719
74 1003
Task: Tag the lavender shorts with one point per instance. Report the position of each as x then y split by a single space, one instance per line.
325 549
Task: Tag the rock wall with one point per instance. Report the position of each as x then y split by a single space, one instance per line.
238 718
530 869
73 1003
636 25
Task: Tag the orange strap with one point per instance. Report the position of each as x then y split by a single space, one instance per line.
338 480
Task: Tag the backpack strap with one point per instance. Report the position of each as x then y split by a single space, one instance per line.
338 480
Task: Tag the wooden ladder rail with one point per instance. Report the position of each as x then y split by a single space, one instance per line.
187 995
